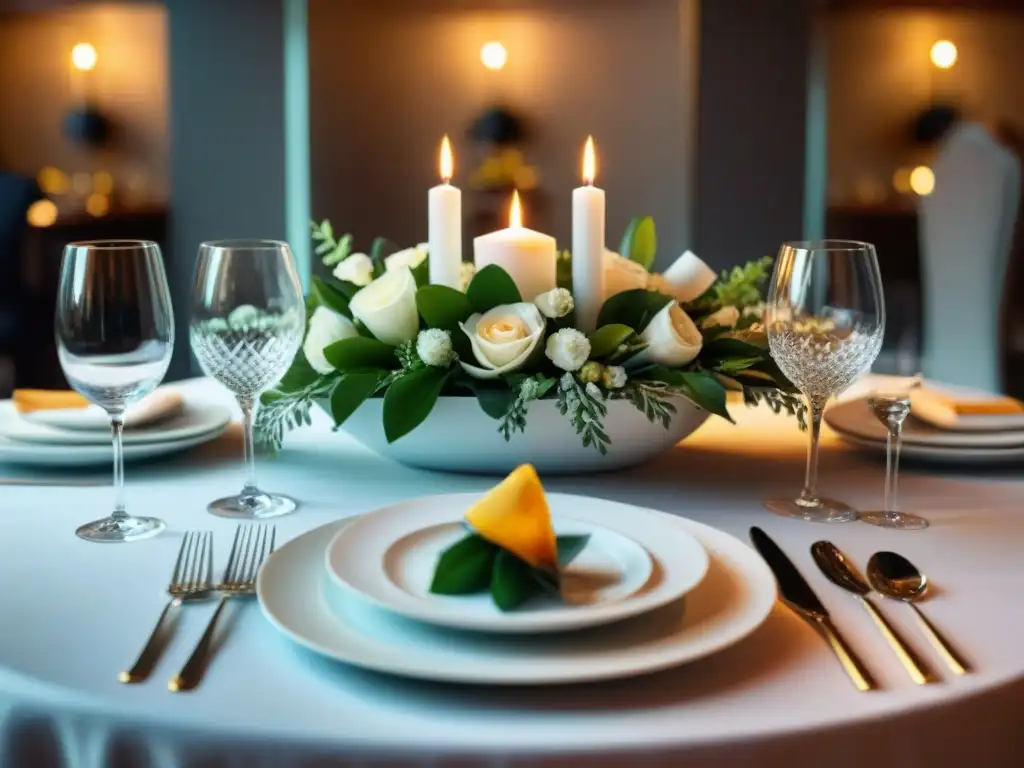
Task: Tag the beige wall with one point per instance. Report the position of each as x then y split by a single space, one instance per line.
129 83
881 77
388 78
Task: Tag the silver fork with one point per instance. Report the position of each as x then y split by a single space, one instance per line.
252 545
191 579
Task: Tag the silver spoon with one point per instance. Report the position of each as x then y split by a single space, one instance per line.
894 576
842 572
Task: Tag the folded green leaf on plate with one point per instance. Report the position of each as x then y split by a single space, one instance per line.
465 567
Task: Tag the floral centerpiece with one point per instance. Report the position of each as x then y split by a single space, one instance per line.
377 329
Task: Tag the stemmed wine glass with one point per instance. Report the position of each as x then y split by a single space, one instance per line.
891 406
248 319
115 334
825 322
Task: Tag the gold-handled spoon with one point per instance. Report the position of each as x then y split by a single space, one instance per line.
896 577
843 573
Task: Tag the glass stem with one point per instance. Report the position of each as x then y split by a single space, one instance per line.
117 433
809 495
248 405
892 471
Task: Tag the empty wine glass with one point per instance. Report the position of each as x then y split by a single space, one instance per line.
891 406
115 333
248 318
825 322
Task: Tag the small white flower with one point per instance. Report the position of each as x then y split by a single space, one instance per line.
434 346
325 327
614 377
568 349
410 257
726 317
356 269
467 271
555 303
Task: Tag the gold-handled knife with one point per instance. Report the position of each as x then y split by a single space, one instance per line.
800 598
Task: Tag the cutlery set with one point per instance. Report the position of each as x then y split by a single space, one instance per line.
192 581
888 574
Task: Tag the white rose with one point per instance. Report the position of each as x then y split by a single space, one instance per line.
671 337
356 269
555 303
687 278
726 317
503 339
410 257
622 274
568 349
387 307
325 327
434 346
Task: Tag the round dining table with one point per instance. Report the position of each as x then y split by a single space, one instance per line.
74 614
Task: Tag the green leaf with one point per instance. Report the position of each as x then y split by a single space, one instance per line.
421 273
606 339
494 397
634 308
736 364
327 295
351 391
443 307
299 376
640 242
570 546
725 348
465 567
381 249
360 352
512 581
492 287
410 399
705 391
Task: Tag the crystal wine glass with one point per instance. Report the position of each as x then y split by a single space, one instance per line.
248 318
115 333
825 321
891 406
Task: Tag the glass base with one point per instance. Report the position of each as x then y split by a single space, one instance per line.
255 506
113 530
898 522
825 511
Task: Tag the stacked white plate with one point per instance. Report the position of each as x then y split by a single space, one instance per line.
81 437
649 591
967 440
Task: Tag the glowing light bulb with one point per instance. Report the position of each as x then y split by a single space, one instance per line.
944 54
922 180
493 55
83 57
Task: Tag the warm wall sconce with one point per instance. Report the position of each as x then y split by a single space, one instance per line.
83 57
944 54
493 55
922 180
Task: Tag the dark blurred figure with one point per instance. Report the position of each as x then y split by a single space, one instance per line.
1013 296
16 196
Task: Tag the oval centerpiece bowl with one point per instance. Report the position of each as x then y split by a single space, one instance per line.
459 437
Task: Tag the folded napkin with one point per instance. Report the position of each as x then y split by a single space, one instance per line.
966 411
69 410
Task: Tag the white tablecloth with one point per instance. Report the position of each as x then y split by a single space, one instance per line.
75 614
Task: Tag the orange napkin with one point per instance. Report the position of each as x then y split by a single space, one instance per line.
993 406
30 400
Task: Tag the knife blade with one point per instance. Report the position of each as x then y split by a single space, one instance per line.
801 599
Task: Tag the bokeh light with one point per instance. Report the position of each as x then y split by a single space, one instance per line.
42 213
922 180
97 205
83 57
944 54
493 55
53 181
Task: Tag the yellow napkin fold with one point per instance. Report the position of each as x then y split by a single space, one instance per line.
30 400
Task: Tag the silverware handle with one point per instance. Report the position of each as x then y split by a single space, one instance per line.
852 665
190 674
919 672
944 648
143 665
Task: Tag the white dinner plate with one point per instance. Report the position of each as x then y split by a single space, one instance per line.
299 599
854 418
941 455
634 562
194 420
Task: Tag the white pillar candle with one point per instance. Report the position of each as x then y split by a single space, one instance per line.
588 245
529 257
444 226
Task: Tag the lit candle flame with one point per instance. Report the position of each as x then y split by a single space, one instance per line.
589 162
447 161
515 213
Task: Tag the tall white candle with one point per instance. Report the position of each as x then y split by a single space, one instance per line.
529 257
588 209
444 225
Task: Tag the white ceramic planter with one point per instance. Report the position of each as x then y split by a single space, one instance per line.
459 437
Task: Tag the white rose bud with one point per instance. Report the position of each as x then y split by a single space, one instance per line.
555 303
622 274
614 377
687 278
672 339
726 317
325 327
434 346
356 269
387 307
568 349
503 339
410 257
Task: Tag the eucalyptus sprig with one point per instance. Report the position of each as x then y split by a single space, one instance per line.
584 406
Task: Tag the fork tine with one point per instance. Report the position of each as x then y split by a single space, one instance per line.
208 576
273 540
190 559
233 556
194 561
263 553
251 562
243 555
176 573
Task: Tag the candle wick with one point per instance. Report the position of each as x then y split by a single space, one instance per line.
589 183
